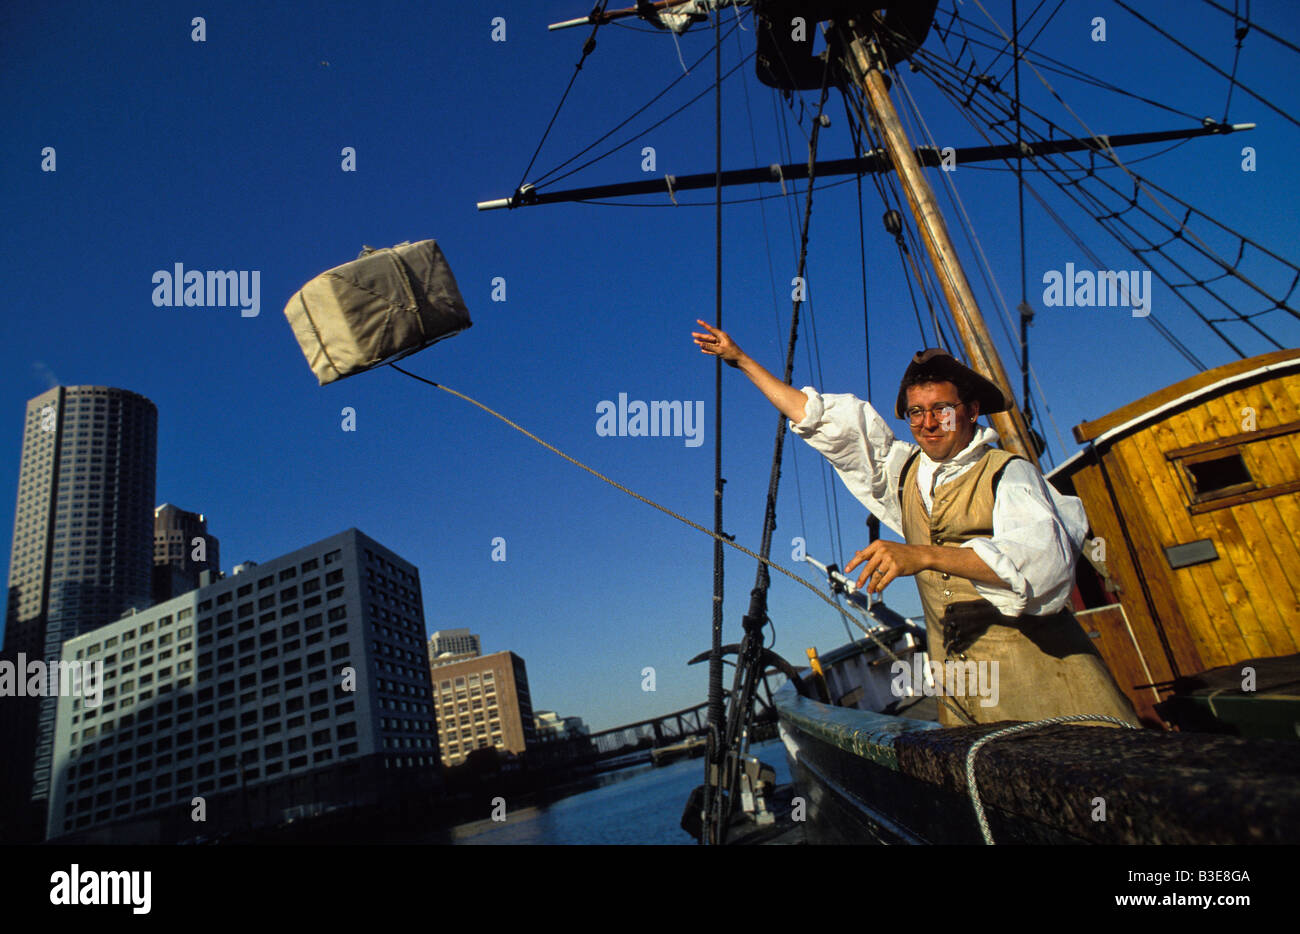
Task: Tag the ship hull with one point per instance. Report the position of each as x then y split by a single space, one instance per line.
872 777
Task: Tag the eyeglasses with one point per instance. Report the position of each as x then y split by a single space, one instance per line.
944 411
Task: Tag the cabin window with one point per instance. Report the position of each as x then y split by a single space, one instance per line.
1218 474
1217 477
1212 476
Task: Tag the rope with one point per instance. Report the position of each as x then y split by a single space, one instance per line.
1240 34
862 127
587 48
1112 218
1007 731
716 808
680 518
636 136
1233 82
749 665
1255 26
1065 69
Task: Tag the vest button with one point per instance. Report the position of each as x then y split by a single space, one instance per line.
947 593
938 541
946 576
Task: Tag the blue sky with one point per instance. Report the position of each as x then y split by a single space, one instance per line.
226 154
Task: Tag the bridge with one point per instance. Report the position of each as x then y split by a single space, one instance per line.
664 730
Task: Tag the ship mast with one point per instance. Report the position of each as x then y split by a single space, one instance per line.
865 64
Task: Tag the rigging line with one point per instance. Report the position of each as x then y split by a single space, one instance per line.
776 311
1009 46
1097 261
650 103
1190 237
716 808
765 23
862 250
1065 69
1204 61
749 660
1024 307
915 116
653 126
1074 193
642 109
943 270
956 98
771 276
1255 26
1138 180
968 227
828 477
1101 168
873 530
1240 34
587 48
637 496
824 186
769 519
824 471
885 188
632 27
1028 45
1121 222
986 268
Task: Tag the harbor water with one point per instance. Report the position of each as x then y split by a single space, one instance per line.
637 805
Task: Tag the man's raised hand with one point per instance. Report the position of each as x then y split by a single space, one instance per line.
717 343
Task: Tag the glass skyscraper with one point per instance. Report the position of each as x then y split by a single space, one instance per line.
82 556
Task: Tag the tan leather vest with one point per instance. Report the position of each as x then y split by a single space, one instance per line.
1047 666
962 510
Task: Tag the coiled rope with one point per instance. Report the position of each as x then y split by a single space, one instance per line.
1007 731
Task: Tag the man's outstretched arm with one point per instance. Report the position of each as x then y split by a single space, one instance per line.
788 400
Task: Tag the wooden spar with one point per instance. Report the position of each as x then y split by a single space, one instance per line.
864 61
874 162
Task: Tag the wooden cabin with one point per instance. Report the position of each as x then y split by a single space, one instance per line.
1194 494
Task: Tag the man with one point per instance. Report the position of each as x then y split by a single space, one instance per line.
991 544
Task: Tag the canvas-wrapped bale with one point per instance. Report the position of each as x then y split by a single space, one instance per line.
380 307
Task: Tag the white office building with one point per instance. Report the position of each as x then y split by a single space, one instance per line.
298 685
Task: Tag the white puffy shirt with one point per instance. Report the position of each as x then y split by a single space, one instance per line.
1037 532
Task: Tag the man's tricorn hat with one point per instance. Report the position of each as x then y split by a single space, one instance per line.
935 366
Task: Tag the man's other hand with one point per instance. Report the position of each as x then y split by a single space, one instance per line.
884 561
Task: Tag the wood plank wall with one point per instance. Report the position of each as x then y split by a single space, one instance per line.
1247 602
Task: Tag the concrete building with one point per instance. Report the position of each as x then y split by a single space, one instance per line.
453 645
551 727
183 549
483 702
82 555
295 686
